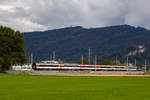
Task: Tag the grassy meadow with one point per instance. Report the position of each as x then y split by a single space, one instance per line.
26 87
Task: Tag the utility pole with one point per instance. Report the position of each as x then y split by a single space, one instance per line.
127 64
95 62
54 55
145 64
82 59
89 55
31 58
127 61
95 59
135 62
51 57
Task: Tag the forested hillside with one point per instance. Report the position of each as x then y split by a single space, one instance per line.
114 42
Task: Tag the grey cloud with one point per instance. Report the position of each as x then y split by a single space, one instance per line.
31 15
138 13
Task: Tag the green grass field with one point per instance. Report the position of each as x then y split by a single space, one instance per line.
25 87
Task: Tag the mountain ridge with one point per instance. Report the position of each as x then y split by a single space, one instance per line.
72 42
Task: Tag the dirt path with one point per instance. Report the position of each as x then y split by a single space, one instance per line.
70 73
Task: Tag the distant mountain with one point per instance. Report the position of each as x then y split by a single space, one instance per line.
114 42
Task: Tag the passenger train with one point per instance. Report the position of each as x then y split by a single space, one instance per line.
45 66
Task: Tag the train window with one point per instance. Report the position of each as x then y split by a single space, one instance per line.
48 65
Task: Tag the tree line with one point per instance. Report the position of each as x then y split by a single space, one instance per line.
104 62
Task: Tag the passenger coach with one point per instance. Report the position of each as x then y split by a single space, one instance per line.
44 66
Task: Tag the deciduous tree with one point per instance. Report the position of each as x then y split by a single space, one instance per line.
11 48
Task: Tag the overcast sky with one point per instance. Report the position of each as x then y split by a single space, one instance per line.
35 15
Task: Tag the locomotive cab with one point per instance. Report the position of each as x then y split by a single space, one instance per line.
34 66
